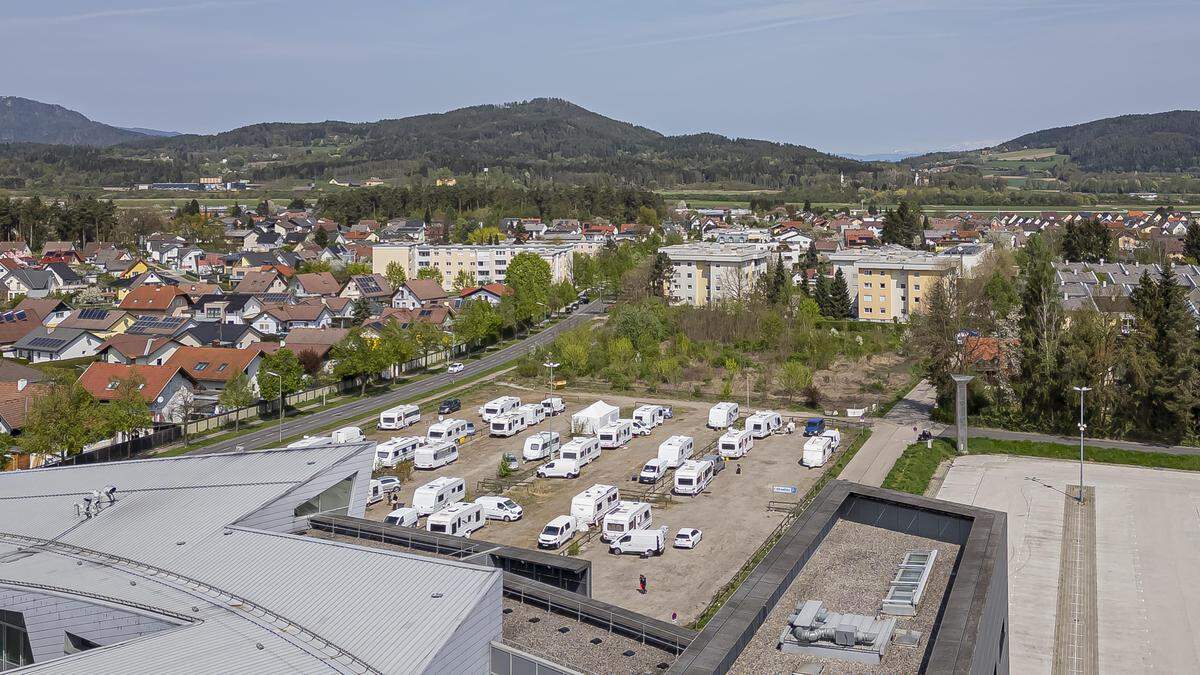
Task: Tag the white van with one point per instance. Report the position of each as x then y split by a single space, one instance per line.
642 542
459 519
406 516
615 435
675 450
540 446
498 406
437 493
653 471
591 505
399 449
557 532
533 413
435 455
649 416
817 451
581 450
722 415
399 417
627 516
499 508
553 406
559 468
348 435
509 424
449 430
693 476
764 423
735 443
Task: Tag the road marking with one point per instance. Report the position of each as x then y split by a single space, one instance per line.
1076 644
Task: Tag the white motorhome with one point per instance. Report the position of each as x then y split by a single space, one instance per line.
693 476
835 437
591 505
627 516
649 416
500 508
399 417
459 519
348 435
498 406
764 423
558 532
438 493
722 415
506 425
553 406
589 420
817 451
735 443
641 542
379 488
615 435
540 446
399 449
435 455
534 413
406 516
675 450
581 450
449 430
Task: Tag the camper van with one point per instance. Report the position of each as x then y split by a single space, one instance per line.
399 449
379 488
722 415
641 542
627 516
692 477
533 413
764 423
434 455
673 451
459 519
835 437
437 493
348 435
498 406
406 517
735 443
559 468
558 532
817 451
499 508
615 435
448 430
653 471
399 417
649 416
553 406
540 446
509 424
581 450
591 505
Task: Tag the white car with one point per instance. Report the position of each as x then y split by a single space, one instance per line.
639 430
687 537
389 483
455 367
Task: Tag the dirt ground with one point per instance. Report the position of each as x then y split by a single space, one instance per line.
732 513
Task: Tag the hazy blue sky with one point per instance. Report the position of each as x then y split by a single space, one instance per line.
840 75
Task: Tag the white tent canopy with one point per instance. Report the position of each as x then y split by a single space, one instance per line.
589 420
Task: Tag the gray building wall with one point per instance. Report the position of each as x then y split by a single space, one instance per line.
48 617
469 649
279 516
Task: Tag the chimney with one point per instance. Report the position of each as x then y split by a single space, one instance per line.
216 343
22 383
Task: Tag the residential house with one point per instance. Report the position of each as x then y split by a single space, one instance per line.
442 317
213 367
373 287
15 325
15 250
160 326
416 293
281 319
51 310
315 284
103 323
157 300
262 281
16 399
148 349
219 334
227 308
341 309
65 278
31 283
55 344
316 340
11 371
490 292
167 390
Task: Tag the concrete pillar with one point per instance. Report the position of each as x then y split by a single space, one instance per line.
960 410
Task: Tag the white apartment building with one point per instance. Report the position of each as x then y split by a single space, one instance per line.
704 273
488 263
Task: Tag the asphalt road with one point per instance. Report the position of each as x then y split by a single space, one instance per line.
355 410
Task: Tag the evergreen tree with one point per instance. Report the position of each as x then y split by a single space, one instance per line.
812 259
903 225
821 294
1162 366
778 290
807 206
1191 241
660 276
839 297
361 311
263 209
1086 242
1042 393
321 237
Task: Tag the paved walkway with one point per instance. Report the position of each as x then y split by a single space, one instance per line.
891 434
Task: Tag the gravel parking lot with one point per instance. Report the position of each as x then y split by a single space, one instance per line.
679 581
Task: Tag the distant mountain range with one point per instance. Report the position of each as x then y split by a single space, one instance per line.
152 132
1168 141
26 121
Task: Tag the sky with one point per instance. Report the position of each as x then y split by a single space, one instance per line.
847 76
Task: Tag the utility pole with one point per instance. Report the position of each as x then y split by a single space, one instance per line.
280 404
1082 428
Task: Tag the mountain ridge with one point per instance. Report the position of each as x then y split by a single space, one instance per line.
24 120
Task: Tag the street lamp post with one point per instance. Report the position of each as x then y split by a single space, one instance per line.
1082 428
280 402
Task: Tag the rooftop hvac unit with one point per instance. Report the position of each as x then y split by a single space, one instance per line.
816 631
904 593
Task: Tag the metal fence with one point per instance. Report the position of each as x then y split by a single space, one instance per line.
128 449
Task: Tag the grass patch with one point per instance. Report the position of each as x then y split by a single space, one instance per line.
915 468
1154 460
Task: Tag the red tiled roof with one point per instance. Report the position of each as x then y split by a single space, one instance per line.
425 289
212 363
16 401
318 283
498 290
98 376
152 296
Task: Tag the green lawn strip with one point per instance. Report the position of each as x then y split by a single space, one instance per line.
1156 460
723 594
915 468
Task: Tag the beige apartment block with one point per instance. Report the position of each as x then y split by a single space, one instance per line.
706 273
892 283
488 263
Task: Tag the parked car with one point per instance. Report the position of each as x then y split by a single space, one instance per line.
470 428
389 483
449 405
639 430
687 537
815 426
500 508
455 367
559 468
510 461
558 532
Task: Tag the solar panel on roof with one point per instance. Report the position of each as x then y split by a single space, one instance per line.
48 342
19 315
93 313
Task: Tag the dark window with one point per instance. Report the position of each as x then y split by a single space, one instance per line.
334 498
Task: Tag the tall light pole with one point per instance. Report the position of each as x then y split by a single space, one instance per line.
1082 428
551 365
280 403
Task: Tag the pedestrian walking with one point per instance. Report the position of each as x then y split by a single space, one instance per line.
674 618
642 584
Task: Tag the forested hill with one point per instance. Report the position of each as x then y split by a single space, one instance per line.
26 121
1168 141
